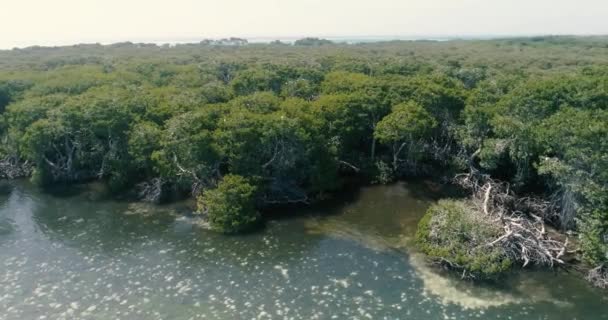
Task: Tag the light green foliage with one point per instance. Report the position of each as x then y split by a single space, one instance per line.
341 81
216 92
594 235
253 80
188 155
70 80
404 129
407 121
439 94
230 207
258 102
162 103
453 234
299 88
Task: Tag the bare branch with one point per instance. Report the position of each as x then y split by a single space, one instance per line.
523 220
349 165
598 276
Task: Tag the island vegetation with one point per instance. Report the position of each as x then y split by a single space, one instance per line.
520 124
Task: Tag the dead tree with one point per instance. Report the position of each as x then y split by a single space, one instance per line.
598 276
12 168
525 237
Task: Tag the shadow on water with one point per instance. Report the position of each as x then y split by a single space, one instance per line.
7 224
417 189
382 211
385 218
94 191
350 256
81 217
329 205
5 188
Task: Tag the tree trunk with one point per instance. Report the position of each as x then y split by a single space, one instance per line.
396 152
373 153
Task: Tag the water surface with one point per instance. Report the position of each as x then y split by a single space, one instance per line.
74 256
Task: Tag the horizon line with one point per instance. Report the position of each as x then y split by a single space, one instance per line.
260 39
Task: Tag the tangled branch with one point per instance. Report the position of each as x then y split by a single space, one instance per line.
525 237
11 168
151 191
598 276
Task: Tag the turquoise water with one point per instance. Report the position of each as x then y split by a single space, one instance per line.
76 256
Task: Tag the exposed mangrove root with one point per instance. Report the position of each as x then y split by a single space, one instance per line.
11 168
598 276
525 238
151 191
284 192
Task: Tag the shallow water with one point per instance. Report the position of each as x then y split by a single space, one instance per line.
73 256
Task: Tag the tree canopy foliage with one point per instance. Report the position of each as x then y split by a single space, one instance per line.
295 121
452 232
231 205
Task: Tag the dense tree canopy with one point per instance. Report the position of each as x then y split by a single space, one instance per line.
231 206
264 124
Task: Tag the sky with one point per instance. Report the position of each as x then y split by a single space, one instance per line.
57 22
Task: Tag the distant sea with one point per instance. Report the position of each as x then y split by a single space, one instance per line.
342 39
361 39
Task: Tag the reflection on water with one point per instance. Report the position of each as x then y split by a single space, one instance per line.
74 256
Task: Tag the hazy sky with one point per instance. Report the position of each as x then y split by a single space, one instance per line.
28 22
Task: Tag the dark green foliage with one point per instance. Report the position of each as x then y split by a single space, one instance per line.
296 120
594 235
548 134
5 97
230 207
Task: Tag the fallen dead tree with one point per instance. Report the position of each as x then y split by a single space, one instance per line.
522 219
11 168
598 276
